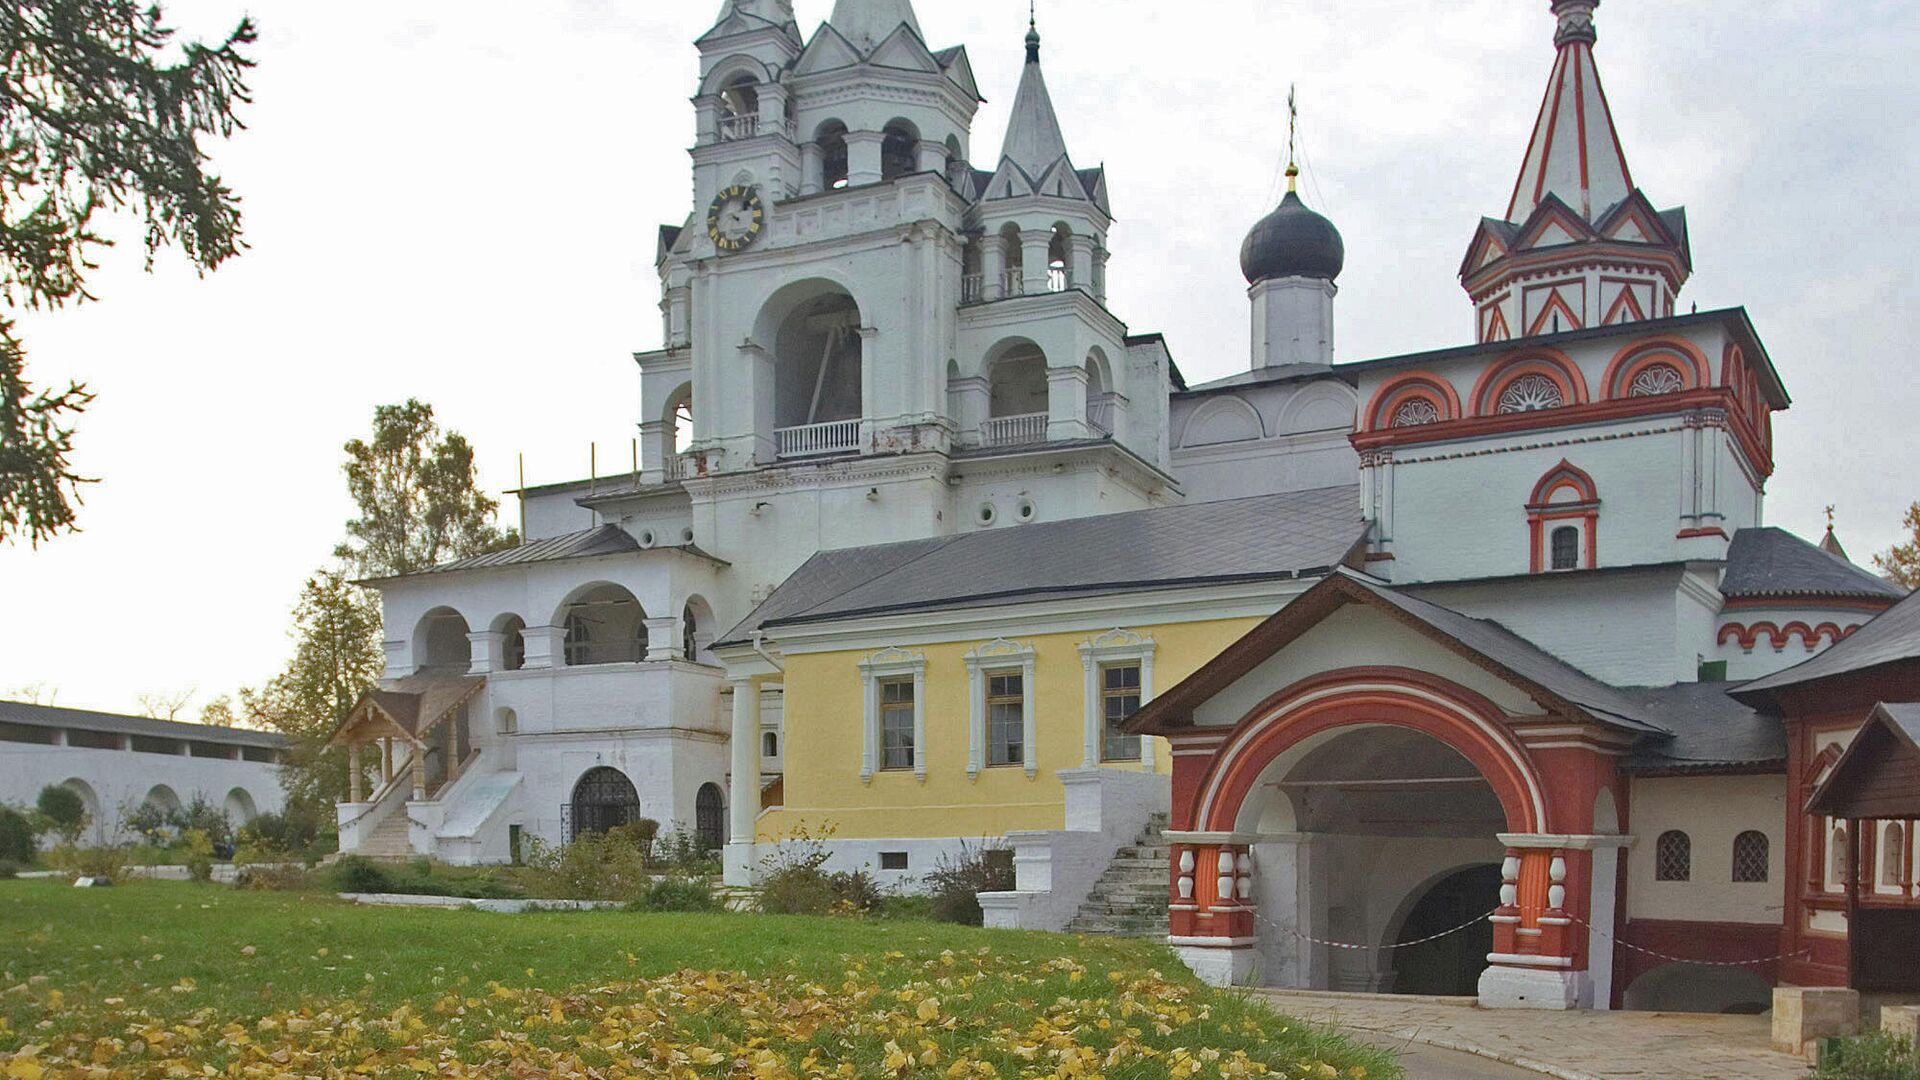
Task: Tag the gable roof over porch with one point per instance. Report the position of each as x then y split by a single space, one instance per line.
408 707
1879 775
1486 644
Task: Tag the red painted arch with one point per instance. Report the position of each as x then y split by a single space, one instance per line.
1397 390
1371 696
1682 354
1552 363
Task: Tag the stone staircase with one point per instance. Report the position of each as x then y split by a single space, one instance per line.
1130 899
388 841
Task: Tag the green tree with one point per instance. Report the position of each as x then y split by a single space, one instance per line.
93 122
63 811
420 502
1902 561
336 657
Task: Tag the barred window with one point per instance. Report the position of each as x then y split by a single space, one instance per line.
896 724
1750 850
1673 857
1120 699
1566 548
1006 718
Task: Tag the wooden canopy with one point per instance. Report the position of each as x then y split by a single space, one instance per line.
408 708
1879 775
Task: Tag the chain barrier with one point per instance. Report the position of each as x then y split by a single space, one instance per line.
1370 948
1483 918
1684 960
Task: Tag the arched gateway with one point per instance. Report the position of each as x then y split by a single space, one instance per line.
1362 766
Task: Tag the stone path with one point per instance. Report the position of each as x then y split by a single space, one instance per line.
1567 1045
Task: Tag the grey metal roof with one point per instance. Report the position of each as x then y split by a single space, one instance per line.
1302 533
1711 730
1523 658
1774 562
1906 717
1264 375
600 540
1889 637
52 716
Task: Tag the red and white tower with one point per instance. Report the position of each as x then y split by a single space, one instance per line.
1579 245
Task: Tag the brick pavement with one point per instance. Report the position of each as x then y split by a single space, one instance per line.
1568 1045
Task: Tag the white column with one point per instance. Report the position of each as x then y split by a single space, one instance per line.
663 638
1080 259
399 659
812 169
1094 718
932 157
744 805
1067 403
482 647
993 264
863 157
546 646
655 448
1034 245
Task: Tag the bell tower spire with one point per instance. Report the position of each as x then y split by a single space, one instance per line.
1574 208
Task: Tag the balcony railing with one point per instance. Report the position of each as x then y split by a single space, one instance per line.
973 288
832 437
743 126
677 467
1100 416
1012 283
1014 430
1058 280
589 653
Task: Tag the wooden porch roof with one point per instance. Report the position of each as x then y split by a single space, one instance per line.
1879 775
408 707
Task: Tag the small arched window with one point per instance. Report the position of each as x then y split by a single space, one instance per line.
1893 856
833 155
689 638
1566 548
1750 851
709 817
739 110
1673 857
770 744
899 151
1837 861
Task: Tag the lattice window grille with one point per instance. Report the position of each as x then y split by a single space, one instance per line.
1750 857
1657 380
1673 857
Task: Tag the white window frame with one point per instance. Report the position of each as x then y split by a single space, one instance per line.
996 656
884 666
1116 646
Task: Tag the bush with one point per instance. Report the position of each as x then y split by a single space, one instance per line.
358 874
683 852
271 876
17 836
199 855
793 882
104 861
680 894
639 833
595 866
293 834
9 869
63 811
1878 1056
203 816
957 882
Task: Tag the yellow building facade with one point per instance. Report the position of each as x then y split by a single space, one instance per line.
951 784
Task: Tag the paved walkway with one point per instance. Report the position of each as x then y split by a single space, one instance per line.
1567 1045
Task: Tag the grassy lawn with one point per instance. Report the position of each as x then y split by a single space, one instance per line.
172 979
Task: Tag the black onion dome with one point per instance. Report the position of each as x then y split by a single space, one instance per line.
1293 241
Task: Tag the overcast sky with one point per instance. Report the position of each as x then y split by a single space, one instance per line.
458 201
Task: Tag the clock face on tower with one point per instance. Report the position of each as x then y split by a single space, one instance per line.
735 218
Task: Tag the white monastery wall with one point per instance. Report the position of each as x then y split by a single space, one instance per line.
1711 811
1263 439
111 781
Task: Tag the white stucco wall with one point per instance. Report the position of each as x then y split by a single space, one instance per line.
122 779
1711 811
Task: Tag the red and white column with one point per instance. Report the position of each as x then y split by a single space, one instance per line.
1210 909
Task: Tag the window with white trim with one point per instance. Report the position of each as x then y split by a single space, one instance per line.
1119 680
896 724
1119 700
1566 547
893 733
1001 726
1006 718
